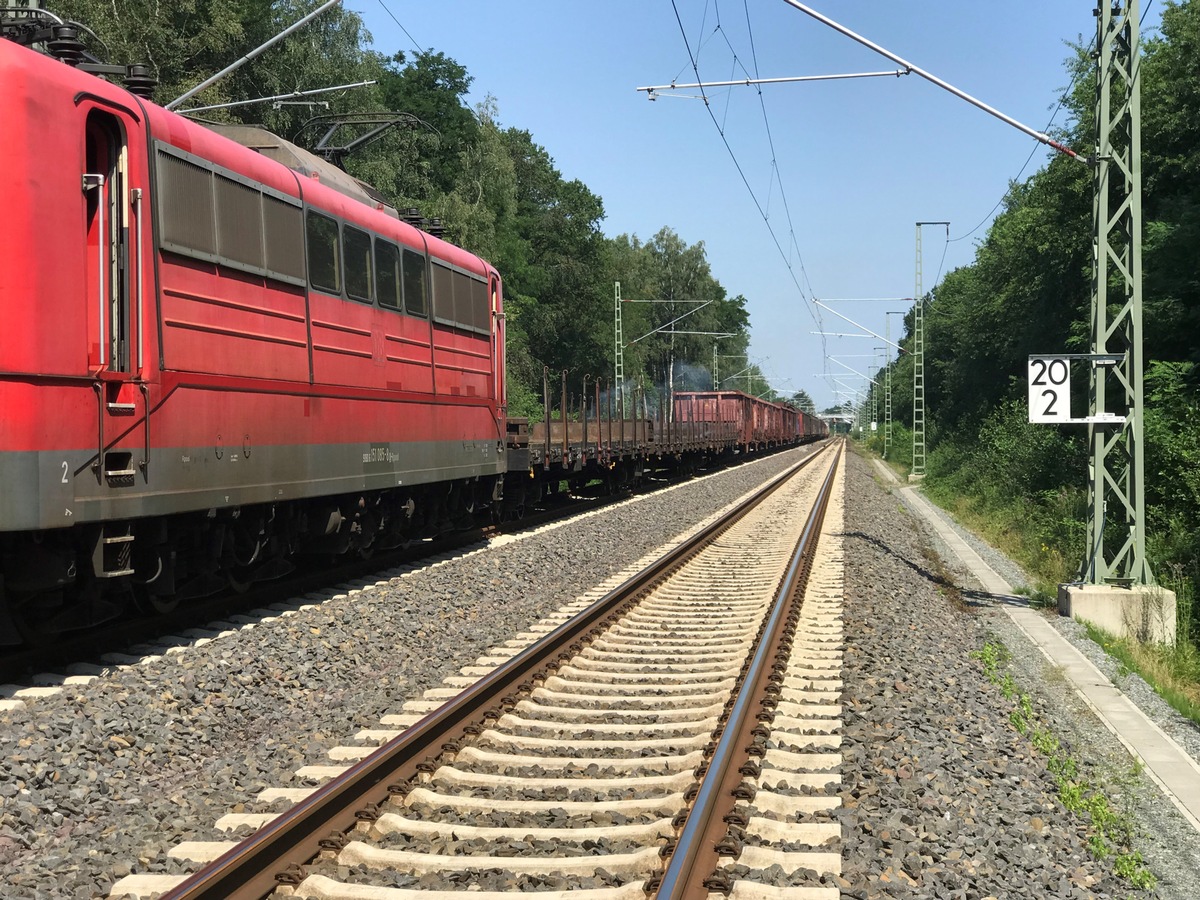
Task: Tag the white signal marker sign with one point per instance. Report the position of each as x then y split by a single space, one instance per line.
1049 389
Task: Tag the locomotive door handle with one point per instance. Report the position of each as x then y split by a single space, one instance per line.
145 388
96 181
98 465
136 196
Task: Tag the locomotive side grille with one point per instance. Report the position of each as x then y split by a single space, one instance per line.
443 295
480 310
239 222
284 227
212 213
186 210
460 300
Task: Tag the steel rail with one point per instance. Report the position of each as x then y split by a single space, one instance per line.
273 855
710 831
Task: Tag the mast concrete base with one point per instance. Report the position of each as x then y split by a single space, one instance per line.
1143 612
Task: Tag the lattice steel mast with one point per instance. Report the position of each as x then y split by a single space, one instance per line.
918 463
1116 476
618 350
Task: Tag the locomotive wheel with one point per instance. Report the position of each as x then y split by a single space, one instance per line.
34 626
42 618
154 604
239 579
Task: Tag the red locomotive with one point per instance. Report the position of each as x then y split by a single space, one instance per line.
220 351
214 354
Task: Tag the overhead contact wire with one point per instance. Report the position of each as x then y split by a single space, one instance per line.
737 164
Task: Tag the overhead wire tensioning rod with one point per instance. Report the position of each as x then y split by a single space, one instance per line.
945 85
208 82
275 97
856 324
651 90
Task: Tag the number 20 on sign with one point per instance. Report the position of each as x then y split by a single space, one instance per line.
1049 389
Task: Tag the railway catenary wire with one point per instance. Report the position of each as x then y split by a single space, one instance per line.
591 752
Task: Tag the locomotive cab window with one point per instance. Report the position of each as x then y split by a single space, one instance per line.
414 283
388 281
324 263
357 254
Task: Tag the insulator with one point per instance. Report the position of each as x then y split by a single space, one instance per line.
66 45
139 81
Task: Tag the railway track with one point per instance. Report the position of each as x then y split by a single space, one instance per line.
84 653
678 735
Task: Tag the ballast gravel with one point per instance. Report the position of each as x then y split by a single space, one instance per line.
942 798
1167 841
104 779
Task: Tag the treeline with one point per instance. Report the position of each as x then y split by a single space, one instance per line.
494 188
1029 291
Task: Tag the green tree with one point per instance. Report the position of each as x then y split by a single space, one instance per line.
432 88
803 402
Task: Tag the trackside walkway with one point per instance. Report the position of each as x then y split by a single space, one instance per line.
1166 762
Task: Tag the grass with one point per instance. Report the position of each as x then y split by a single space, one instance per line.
1112 831
945 583
1006 527
1173 672
1038 598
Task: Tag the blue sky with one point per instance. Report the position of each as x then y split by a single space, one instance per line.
859 162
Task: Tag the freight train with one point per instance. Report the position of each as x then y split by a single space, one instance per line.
220 351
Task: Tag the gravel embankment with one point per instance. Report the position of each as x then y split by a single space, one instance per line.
1169 843
944 797
107 777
